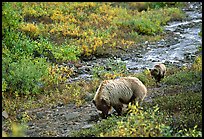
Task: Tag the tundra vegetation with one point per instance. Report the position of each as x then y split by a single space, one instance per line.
37 37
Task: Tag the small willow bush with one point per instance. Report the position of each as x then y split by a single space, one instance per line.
24 76
139 123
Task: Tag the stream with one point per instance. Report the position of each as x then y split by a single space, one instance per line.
178 48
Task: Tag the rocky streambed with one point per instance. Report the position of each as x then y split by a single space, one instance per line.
178 48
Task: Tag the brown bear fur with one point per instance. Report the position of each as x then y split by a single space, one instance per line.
115 93
158 72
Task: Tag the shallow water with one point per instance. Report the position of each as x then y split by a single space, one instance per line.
178 48
186 42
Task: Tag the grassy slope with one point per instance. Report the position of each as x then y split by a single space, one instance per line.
89 28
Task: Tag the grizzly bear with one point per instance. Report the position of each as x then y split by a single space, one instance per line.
115 93
158 72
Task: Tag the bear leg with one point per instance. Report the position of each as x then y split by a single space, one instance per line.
104 114
118 109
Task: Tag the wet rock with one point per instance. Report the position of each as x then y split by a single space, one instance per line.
53 106
182 61
31 132
80 71
154 60
193 56
178 34
63 130
5 114
125 58
175 38
161 45
114 57
179 29
94 58
76 123
70 105
19 116
60 104
84 69
30 123
108 68
56 113
70 116
190 57
87 126
40 115
64 127
133 68
138 53
134 59
89 96
139 56
187 53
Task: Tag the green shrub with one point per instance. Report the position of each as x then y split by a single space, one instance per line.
174 14
140 123
24 76
67 52
75 93
200 33
10 17
17 130
18 44
190 132
157 5
184 108
197 65
145 77
184 78
137 123
149 22
4 85
142 26
112 70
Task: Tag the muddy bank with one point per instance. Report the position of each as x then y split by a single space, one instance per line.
61 120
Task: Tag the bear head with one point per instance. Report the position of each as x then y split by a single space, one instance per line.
154 72
103 106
